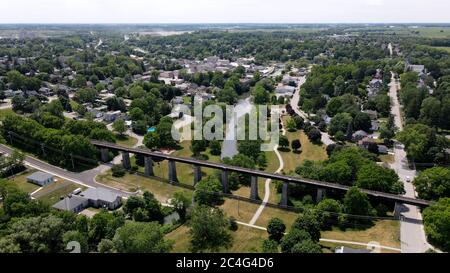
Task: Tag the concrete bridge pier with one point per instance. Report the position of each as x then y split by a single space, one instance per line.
225 181
254 188
126 160
284 194
197 174
172 172
148 166
104 154
320 195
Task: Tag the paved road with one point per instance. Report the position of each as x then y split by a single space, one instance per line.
412 234
326 139
86 178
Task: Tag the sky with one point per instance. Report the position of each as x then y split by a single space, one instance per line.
225 11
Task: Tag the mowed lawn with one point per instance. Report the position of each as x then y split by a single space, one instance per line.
185 172
126 141
52 193
385 232
245 240
309 151
162 190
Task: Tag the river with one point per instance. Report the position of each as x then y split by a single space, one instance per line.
229 146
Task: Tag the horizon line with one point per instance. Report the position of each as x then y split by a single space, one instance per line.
229 23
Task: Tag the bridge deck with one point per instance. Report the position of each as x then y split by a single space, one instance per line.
258 173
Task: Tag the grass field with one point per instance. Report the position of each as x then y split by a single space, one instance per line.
447 49
21 182
428 32
125 140
51 194
245 240
4 112
309 151
385 232
132 182
387 158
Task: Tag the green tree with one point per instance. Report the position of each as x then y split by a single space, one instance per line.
309 221
270 246
362 122
314 135
433 183
329 209
299 122
207 191
306 246
276 229
416 138
180 203
340 122
357 202
436 219
337 172
135 237
294 237
41 234
215 147
291 125
374 177
296 144
208 230
119 126
283 141
76 236
430 112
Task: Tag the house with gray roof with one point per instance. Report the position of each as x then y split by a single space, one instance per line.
73 203
40 178
92 197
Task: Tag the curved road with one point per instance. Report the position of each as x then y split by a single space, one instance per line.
86 178
326 139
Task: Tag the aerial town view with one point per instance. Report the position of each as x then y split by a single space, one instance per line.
224 133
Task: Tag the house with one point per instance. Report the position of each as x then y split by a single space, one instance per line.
102 198
73 203
111 116
382 149
285 90
40 178
373 114
359 135
375 125
177 100
366 142
418 68
376 83
93 197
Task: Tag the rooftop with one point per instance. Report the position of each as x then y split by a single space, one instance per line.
40 176
99 194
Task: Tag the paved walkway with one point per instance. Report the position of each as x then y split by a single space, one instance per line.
267 184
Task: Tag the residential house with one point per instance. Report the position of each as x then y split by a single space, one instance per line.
40 178
359 135
92 197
